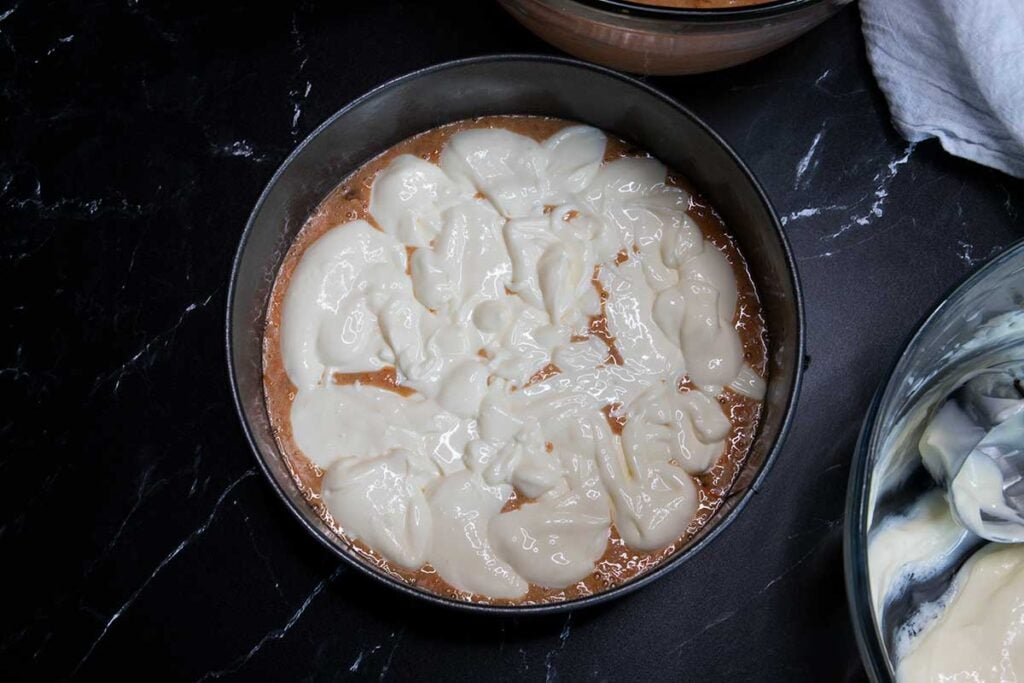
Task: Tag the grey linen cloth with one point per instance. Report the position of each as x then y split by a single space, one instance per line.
953 70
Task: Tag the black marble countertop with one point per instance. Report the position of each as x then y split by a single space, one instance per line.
136 533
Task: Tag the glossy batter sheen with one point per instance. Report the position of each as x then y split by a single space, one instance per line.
977 636
397 248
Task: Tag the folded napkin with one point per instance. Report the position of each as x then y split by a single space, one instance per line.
953 70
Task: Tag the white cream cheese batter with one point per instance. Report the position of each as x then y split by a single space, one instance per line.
492 329
978 636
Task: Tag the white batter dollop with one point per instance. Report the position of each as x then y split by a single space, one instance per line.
978 636
912 547
491 329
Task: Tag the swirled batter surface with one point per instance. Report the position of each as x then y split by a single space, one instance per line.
513 360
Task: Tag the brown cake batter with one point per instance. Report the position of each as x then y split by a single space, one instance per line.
350 201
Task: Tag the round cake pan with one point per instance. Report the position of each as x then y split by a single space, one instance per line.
523 85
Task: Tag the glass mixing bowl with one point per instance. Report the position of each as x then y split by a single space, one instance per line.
663 40
939 348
